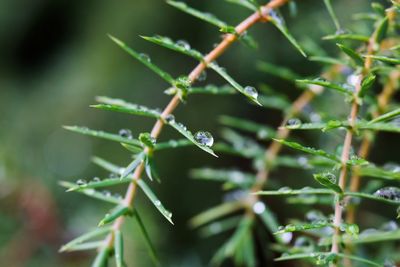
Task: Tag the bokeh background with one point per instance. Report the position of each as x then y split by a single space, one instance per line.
56 57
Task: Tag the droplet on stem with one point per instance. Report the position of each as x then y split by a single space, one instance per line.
294 123
204 138
126 133
251 92
259 207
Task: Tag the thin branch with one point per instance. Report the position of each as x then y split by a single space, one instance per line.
347 146
174 102
366 144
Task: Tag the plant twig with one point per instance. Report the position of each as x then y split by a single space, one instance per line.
366 144
174 102
347 146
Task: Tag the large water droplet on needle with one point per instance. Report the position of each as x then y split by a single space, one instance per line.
204 138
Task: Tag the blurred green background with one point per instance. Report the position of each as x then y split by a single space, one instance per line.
56 57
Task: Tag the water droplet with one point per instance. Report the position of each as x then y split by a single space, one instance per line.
145 57
184 44
275 16
389 263
173 143
392 167
285 190
251 92
353 79
106 193
395 122
294 123
368 232
215 227
237 177
204 138
290 228
259 207
280 228
262 134
96 180
390 193
168 214
315 215
81 182
157 202
303 161
331 177
389 226
118 196
126 133
315 117
203 76
235 195
342 31
303 241
320 79
153 140
170 118
286 237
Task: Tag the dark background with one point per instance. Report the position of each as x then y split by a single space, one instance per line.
55 57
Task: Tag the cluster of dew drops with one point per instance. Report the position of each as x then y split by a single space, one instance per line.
106 193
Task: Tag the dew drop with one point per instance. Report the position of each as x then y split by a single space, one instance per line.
237 177
303 242
275 16
368 232
389 263
157 203
290 228
173 143
294 123
215 227
168 214
259 207
203 76
106 193
303 161
331 177
389 226
392 167
81 182
251 92
342 31
96 180
170 91
145 57
315 117
126 133
314 216
286 237
262 134
352 79
390 193
184 44
235 195
285 190
170 118
118 196
204 138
